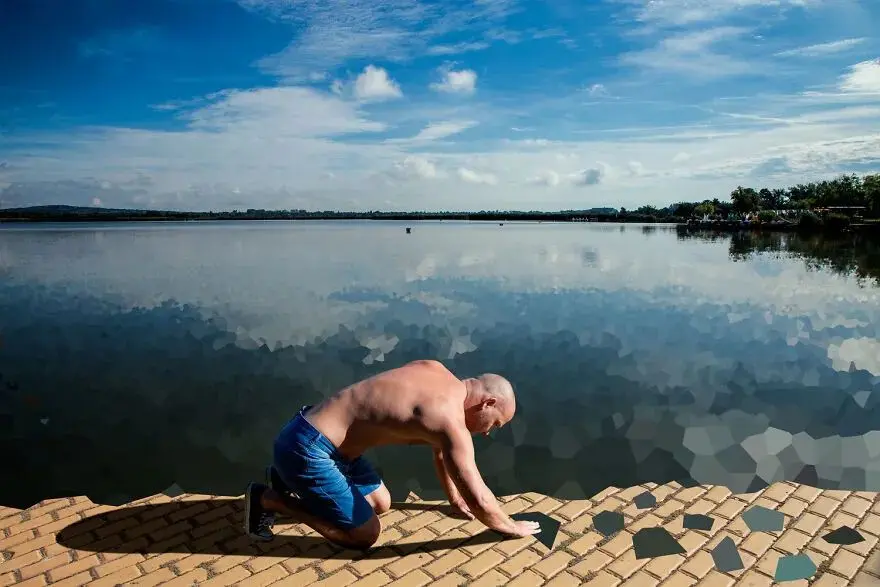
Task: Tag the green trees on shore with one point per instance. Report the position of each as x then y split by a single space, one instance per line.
846 191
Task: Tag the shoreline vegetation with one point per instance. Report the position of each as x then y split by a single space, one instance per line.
845 204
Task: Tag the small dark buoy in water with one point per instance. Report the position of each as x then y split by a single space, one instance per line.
408 230
500 224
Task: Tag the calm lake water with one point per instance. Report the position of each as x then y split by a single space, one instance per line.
138 356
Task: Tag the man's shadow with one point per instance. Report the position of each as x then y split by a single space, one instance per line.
215 526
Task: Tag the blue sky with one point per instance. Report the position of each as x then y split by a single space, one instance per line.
407 104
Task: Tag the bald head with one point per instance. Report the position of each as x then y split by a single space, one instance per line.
499 388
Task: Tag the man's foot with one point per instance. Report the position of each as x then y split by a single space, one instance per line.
257 521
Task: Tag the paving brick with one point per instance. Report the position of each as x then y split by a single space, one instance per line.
618 544
450 580
809 523
375 579
404 565
856 506
306 576
233 576
526 579
823 506
44 565
664 566
514 565
716 579
573 509
757 543
871 524
753 578
419 521
806 493
73 568
778 492
626 565
863 579
601 579
84 578
553 564
846 563
829 580
155 578
414 579
591 563
640 579
563 580
699 564
793 507
123 576
792 541
442 565
482 563
194 576
491 579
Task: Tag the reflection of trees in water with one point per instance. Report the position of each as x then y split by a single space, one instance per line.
120 404
853 254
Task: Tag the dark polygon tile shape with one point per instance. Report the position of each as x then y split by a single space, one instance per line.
654 542
794 568
645 500
761 519
844 535
608 523
726 556
174 490
549 526
698 522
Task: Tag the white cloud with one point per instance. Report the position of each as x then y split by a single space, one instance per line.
441 130
636 168
688 12
374 84
692 53
327 34
414 166
457 48
547 178
456 82
597 91
476 177
862 78
822 48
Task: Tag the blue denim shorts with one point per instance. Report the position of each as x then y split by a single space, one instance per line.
330 486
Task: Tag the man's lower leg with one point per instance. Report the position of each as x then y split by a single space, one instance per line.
291 506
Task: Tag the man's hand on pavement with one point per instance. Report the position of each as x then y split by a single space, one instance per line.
524 528
460 508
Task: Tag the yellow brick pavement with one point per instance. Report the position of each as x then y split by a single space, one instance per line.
197 540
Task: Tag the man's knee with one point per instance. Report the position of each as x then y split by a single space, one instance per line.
380 500
365 535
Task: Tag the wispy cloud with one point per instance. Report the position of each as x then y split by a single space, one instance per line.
675 13
330 33
457 48
476 177
821 49
693 53
438 130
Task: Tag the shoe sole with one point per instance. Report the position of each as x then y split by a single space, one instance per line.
247 514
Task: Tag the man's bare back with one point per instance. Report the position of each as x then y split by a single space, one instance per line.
319 454
407 405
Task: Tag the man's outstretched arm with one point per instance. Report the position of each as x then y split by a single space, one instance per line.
455 498
458 457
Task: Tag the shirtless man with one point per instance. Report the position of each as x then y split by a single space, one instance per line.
320 478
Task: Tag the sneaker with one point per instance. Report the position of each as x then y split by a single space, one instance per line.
257 521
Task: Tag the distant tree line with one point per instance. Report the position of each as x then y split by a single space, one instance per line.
810 203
